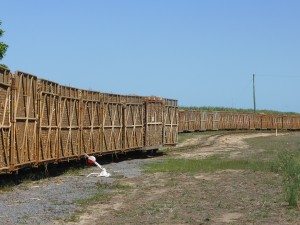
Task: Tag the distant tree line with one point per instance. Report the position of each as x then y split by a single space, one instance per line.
228 109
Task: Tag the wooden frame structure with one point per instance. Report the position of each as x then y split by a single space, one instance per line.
43 122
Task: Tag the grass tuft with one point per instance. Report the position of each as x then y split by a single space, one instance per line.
289 167
98 197
104 193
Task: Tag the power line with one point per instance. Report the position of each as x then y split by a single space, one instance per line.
271 76
278 75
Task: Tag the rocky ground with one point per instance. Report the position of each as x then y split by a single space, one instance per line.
54 198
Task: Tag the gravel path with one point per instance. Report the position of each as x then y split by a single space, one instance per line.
40 202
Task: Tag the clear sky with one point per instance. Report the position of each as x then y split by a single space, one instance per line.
202 53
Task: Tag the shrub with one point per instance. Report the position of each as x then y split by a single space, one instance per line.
290 169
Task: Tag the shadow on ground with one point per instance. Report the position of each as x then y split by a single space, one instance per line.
54 169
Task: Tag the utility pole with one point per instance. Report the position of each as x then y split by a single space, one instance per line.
254 100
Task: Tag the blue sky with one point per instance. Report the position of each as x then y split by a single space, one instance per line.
199 52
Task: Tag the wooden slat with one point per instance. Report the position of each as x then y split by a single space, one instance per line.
24 127
69 126
171 122
48 105
112 124
5 125
154 123
133 126
91 122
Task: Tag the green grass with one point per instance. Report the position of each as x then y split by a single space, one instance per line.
103 193
210 164
286 165
99 197
289 166
280 155
290 144
6 188
284 151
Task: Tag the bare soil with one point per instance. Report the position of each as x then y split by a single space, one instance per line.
233 143
233 197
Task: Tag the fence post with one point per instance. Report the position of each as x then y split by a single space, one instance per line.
13 123
38 126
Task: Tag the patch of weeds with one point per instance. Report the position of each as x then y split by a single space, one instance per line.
172 182
73 218
103 193
117 176
74 171
99 197
289 167
114 186
273 145
156 208
6 188
210 164
286 162
7 183
122 187
24 219
261 214
293 212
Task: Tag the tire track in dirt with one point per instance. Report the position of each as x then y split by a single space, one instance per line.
232 143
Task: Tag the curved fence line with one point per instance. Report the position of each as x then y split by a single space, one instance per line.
197 120
44 122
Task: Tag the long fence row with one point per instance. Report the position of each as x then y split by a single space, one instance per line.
197 120
43 122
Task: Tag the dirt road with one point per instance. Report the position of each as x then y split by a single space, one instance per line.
207 145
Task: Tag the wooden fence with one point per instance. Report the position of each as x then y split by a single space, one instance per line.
43 122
